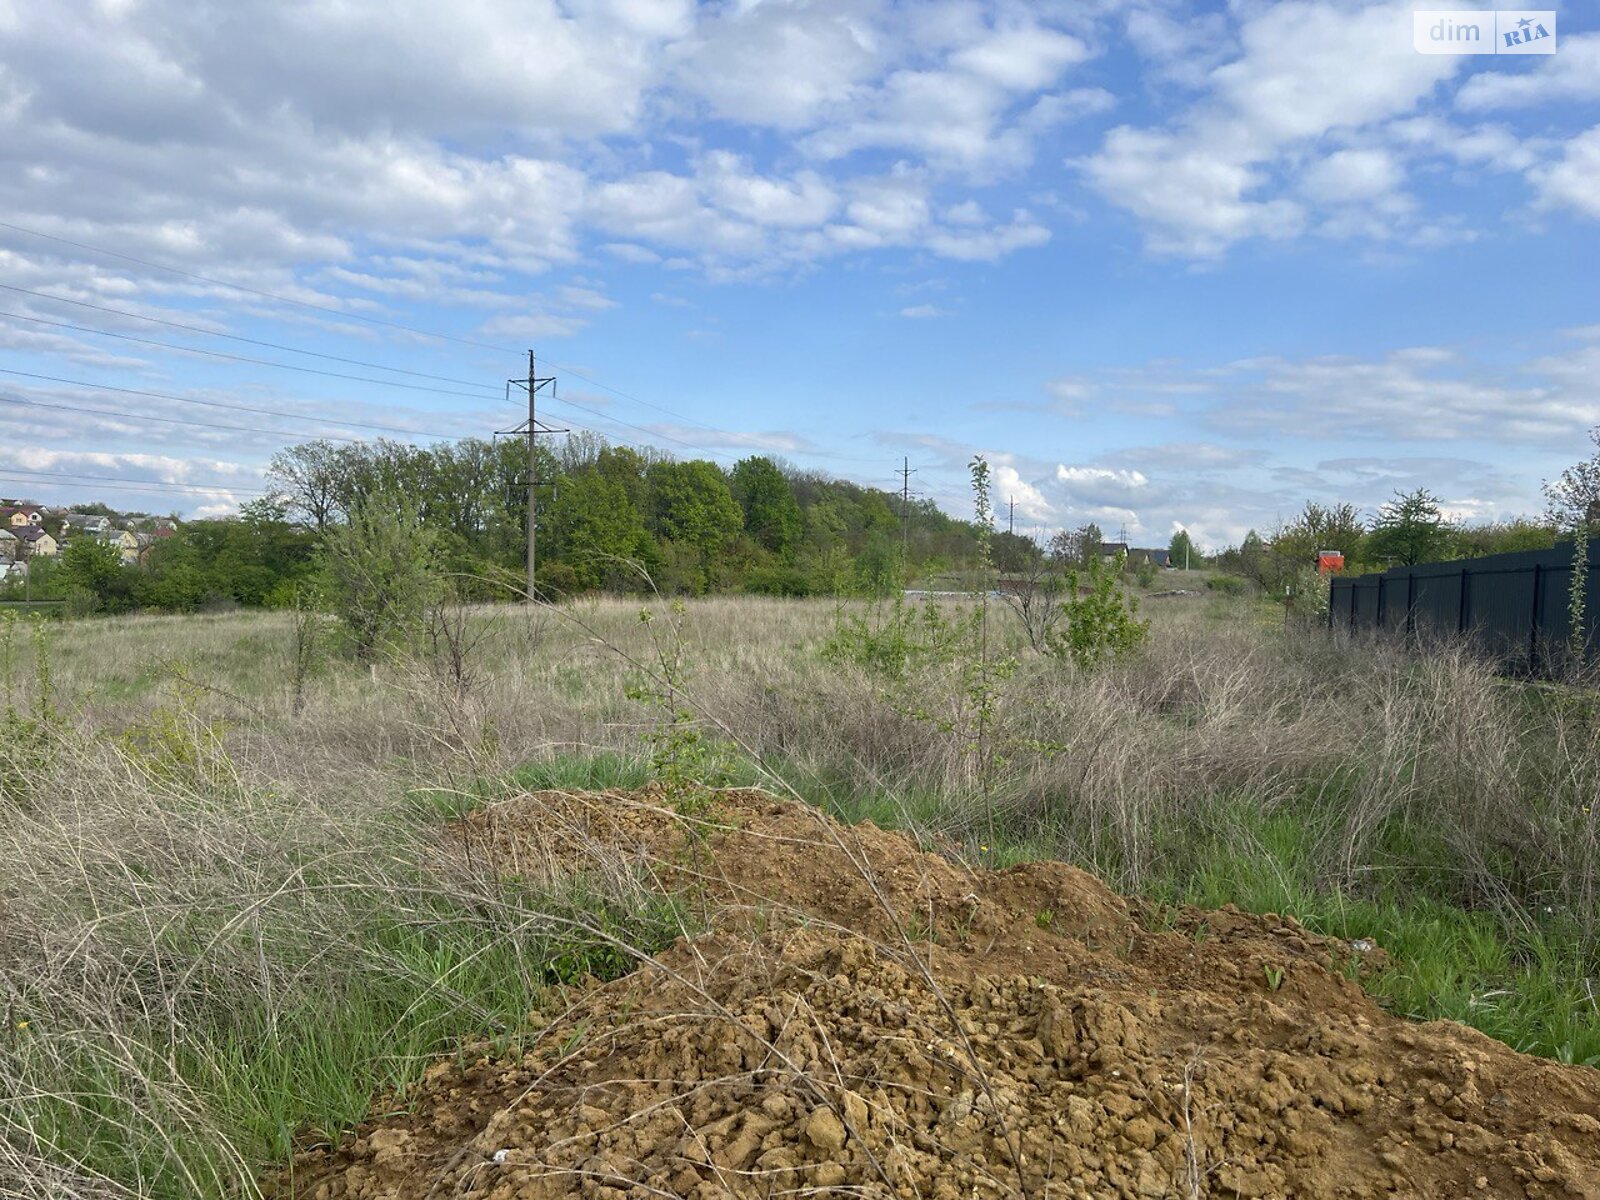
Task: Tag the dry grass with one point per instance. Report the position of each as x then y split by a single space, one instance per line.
212 904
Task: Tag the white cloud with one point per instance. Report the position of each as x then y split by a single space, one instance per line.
1573 180
1010 485
1352 175
922 312
1571 74
1211 179
1101 478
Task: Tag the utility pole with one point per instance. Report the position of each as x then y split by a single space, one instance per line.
1011 518
533 481
532 430
905 502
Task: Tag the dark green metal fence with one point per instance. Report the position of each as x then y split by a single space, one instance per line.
1515 606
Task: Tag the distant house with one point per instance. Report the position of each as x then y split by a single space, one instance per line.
15 516
127 544
1110 550
85 523
1156 558
10 547
36 543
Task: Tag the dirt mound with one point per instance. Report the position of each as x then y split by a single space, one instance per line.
869 1019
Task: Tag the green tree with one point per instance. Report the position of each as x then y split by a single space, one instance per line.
1411 529
596 530
771 514
692 508
1181 551
379 575
93 575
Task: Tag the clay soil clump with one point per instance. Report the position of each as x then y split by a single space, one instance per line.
863 1017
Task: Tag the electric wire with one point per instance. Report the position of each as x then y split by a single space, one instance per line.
391 325
154 484
260 362
265 412
136 417
237 337
378 321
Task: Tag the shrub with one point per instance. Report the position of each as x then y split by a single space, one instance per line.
778 581
1099 621
378 574
1228 585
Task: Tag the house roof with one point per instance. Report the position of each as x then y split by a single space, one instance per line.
31 533
7 535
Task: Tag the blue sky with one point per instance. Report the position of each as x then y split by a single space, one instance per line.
1167 263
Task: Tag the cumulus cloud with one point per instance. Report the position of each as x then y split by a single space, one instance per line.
1573 179
1210 179
1573 74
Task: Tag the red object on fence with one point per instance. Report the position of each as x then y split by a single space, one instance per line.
1329 561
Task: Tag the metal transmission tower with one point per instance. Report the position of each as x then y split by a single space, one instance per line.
532 429
906 472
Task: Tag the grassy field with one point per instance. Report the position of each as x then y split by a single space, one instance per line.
224 923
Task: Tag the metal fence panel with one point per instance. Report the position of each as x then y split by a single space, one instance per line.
1516 606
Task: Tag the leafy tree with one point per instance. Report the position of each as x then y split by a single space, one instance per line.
1098 620
1251 558
692 507
379 574
92 571
1181 550
313 480
596 530
1573 498
1411 529
1504 537
771 514
1014 553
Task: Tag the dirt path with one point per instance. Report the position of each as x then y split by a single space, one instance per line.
867 1019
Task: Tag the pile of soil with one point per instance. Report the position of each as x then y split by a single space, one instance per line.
869 1019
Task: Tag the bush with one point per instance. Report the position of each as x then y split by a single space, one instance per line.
1228 585
1100 623
378 574
777 581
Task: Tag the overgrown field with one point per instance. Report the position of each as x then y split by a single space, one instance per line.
226 921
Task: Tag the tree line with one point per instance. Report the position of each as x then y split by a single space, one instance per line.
610 518
618 519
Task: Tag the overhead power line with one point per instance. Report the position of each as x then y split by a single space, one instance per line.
135 484
265 412
240 287
260 362
344 314
347 315
236 337
124 416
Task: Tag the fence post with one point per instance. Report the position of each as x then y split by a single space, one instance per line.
1411 605
1533 621
1463 613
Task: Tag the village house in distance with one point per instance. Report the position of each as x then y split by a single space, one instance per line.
29 531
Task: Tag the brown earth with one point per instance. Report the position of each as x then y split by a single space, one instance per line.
869 1019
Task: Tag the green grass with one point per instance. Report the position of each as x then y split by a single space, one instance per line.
1527 982
436 973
